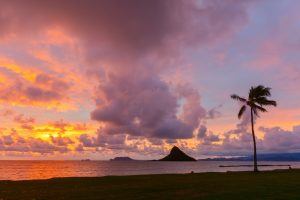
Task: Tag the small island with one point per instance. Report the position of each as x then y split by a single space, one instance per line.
121 159
177 155
85 160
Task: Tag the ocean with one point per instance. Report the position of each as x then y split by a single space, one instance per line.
27 170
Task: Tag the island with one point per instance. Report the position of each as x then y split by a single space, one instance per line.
292 157
85 160
122 159
177 155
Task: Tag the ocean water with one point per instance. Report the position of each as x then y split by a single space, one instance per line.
27 170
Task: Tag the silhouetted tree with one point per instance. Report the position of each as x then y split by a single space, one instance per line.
256 101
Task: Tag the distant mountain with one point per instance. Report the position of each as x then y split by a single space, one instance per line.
122 159
261 157
177 155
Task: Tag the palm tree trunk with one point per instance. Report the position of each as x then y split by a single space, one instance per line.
254 143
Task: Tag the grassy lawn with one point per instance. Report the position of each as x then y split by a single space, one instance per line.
237 185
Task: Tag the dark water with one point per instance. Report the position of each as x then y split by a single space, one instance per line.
24 170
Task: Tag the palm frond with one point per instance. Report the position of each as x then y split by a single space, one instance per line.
260 100
257 99
266 102
238 98
259 108
241 112
259 91
270 103
263 91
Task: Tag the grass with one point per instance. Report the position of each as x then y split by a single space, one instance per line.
235 185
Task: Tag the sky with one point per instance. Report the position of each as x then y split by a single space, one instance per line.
98 79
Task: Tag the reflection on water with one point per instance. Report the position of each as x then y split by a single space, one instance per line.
22 170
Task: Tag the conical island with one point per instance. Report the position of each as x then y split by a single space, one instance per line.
177 155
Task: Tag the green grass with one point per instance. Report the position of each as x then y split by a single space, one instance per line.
237 185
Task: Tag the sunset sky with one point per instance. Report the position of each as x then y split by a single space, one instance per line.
103 78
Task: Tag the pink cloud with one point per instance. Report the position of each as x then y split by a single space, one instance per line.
128 24
18 90
16 143
128 46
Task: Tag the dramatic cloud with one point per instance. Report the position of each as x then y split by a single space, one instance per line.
144 73
43 90
128 41
16 143
127 24
147 107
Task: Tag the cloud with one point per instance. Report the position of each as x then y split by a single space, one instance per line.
7 112
207 137
24 122
7 140
127 24
130 46
18 90
86 141
147 106
133 98
214 113
40 146
30 137
277 139
243 126
111 141
17 143
104 141
61 141
119 144
239 141
202 132
20 118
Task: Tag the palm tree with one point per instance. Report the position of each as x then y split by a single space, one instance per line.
256 101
